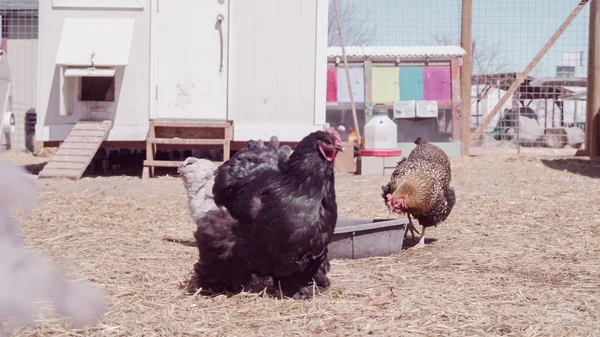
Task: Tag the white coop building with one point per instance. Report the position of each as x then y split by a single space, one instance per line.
185 73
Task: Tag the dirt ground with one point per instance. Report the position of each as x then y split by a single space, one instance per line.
517 257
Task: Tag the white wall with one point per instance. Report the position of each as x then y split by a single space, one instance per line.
131 112
273 50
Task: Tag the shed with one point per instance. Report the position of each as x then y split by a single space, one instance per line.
419 85
548 97
150 70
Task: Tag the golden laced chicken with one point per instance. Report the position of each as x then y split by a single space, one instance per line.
420 186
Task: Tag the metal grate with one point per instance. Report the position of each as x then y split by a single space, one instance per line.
506 36
20 42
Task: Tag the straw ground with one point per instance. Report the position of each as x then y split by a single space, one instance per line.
518 257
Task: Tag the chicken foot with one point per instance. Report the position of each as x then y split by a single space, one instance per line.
421 243
411 227
303 286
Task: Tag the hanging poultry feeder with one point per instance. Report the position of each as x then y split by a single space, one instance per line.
363 238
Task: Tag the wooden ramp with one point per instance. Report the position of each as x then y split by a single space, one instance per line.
184 133
77 151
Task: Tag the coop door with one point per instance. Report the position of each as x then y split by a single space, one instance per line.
192 59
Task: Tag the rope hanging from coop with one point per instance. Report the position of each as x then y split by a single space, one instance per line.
339 24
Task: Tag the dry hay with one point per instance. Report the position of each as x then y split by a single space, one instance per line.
518 257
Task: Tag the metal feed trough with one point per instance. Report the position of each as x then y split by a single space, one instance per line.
362 238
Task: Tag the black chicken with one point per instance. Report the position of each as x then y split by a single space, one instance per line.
275 218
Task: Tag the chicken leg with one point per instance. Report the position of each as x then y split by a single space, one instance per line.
421 243
411 227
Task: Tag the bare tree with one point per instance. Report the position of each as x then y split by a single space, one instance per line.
485 60
357 28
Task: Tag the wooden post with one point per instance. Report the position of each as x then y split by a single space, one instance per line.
511 90
339 22
368 86
455 80
465 75
593 84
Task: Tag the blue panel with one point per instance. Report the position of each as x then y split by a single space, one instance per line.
411 83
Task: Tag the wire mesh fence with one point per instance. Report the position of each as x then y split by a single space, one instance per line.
20 44
408 63
546 110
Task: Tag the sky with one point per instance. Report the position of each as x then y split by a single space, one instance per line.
514 30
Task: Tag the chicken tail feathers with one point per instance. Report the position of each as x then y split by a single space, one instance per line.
450 198
420 141
274 142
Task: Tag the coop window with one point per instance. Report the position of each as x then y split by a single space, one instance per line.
100 89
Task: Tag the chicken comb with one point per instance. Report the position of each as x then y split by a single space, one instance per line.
335 133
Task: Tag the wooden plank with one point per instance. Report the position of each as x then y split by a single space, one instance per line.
71 152
75 154
368 87
148 172
77 146
522 76
60 171
87 133
61 158
162 163
465 75
89 127
592 129
345 58
455 102
169 163
190 133
63 165
75 139
229 133
168 122
184 141
54 173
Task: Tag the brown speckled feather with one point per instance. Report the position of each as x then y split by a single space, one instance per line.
430 160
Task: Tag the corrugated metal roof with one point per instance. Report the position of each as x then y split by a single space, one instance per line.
18 4
397 51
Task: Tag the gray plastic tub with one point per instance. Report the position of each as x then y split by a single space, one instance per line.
362 238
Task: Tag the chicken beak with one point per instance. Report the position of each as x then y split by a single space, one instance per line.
338 146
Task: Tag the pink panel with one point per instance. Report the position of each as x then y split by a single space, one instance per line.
332 84
437 83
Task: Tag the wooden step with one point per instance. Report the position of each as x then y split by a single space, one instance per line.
187 141
163 163
169 163
77 151
195 132
189 123
59 173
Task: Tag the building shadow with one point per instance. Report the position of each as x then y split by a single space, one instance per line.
582 166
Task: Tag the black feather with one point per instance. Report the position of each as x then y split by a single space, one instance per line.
420 141
276 220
